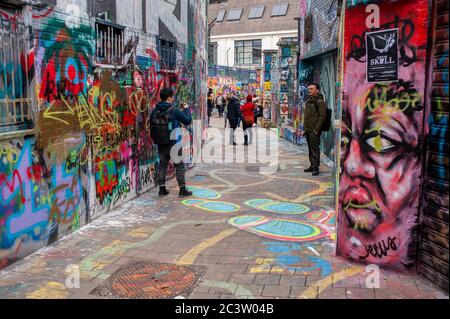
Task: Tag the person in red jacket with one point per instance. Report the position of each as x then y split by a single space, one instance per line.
248 115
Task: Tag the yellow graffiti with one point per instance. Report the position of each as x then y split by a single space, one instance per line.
191 256
312 292
89 116
138 102
264 266
11 154
52 290
380 100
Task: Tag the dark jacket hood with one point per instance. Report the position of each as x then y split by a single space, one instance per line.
163 106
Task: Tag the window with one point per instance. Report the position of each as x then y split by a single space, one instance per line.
279 9
168 55
220 16
234 14
110 43
15 74
292 40
256 12
104 16
247 52
212 54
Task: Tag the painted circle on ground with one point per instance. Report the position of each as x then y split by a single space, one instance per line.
247 221
204 193
279 229
210 206
285 208
315 216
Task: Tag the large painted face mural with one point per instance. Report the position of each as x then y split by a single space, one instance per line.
381 141
380 152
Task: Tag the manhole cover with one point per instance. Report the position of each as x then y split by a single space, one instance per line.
143 280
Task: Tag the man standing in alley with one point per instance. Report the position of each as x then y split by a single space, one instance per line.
163 120
315 117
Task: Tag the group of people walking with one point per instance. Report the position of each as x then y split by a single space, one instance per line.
166 117
235 111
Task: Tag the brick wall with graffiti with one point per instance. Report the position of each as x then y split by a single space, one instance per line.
382 131
319 24
286 85
91 149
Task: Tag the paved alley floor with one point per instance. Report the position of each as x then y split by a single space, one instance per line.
242 236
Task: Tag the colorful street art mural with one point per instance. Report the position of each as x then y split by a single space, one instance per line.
91 151
382 138
288 63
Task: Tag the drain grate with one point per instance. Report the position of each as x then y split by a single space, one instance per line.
144 280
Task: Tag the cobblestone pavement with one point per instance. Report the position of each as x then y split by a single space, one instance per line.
243 235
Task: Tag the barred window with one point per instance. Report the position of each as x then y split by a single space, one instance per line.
110 43
168 54
16 71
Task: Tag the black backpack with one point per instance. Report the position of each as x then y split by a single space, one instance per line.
159 130
327 125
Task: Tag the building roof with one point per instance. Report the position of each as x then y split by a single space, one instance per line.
267 23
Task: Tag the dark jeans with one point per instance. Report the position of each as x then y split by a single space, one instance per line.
233 127
314 149
248 131
164 157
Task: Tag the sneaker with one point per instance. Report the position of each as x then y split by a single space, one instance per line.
163 191
316 172
184 192
309 170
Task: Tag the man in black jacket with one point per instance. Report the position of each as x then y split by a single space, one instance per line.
234 115
315 116
176 116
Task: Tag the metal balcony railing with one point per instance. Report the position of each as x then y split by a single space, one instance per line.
16 72
110 44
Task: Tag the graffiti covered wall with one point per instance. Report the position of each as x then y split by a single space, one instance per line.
382 136
91 150
287 67
319 22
